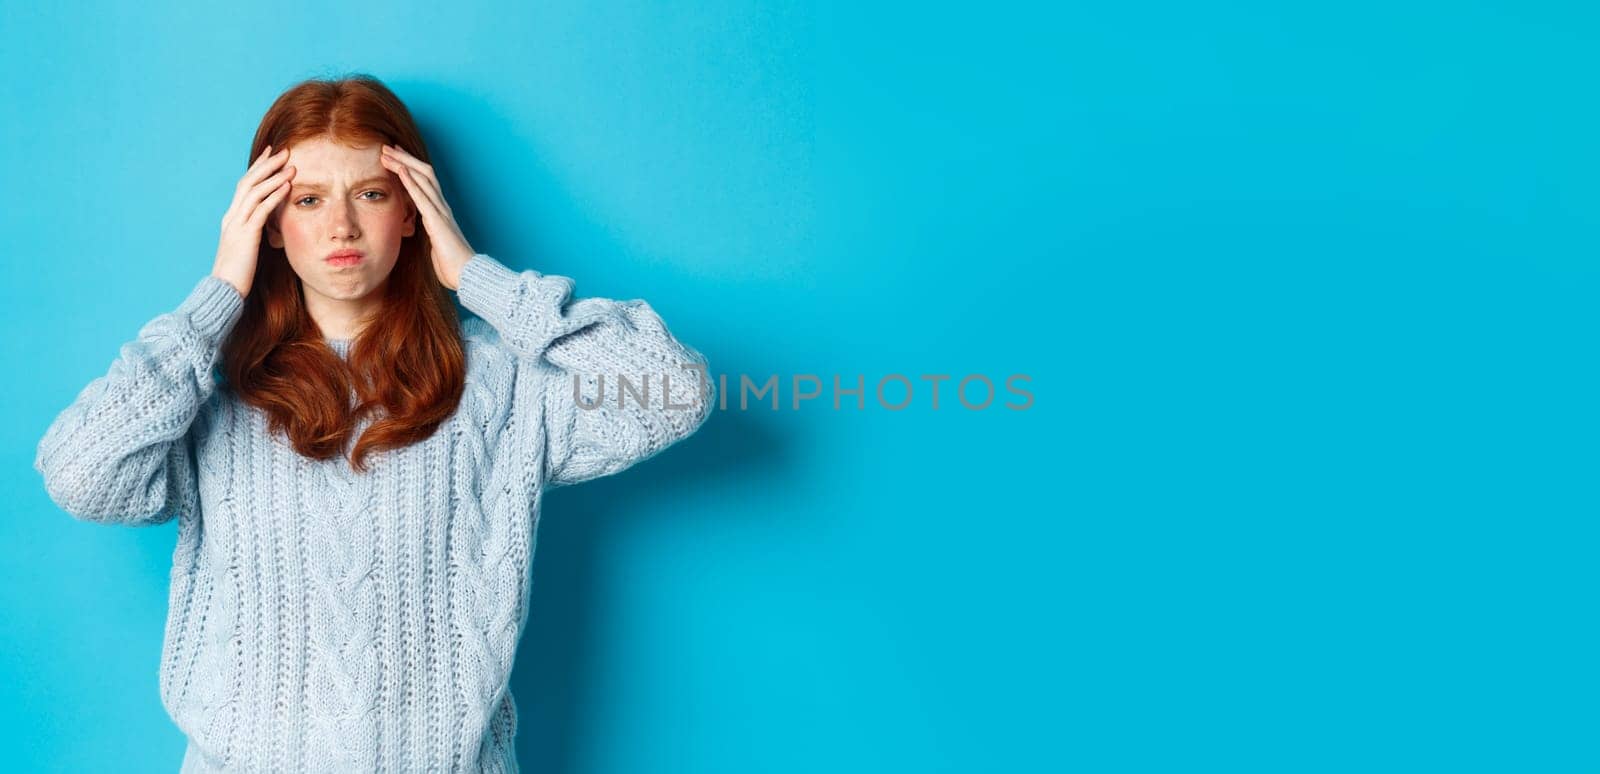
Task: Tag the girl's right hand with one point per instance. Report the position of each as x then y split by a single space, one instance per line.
254 198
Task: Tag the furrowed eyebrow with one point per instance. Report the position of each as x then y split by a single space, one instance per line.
320 187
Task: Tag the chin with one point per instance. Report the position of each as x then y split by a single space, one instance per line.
341 287
351 292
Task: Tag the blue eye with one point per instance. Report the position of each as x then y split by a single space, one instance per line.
381 195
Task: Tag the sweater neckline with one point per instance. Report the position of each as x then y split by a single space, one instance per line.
340 346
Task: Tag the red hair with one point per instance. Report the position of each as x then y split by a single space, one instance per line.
407 367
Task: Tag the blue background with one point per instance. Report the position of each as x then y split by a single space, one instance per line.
1307 297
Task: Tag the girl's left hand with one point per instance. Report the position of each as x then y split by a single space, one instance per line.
450 248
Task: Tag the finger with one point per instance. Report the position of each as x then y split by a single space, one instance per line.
420 194
406 172
423 169
429 207
426 170
263 189
264 166
267 205
255 174
265 152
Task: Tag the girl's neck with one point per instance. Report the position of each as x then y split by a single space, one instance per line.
340 319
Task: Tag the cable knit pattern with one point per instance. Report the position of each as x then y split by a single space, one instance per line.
328 621
342 703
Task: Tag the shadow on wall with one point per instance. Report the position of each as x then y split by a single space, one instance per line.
552 676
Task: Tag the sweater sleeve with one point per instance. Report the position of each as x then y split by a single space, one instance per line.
557 341
120 453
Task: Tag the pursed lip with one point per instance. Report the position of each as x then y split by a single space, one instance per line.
344 254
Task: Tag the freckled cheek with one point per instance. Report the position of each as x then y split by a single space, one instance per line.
390 223
298 230
295 230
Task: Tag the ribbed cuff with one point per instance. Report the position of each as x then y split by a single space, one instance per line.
489 289
213 306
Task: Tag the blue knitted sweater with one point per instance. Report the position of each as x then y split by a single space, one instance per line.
327 621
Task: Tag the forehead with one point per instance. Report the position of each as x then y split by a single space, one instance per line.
323 160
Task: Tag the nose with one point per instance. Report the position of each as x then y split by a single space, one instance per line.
343 222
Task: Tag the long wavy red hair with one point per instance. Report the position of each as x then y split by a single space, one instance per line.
407 368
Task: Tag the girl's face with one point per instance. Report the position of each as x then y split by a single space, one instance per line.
341 198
